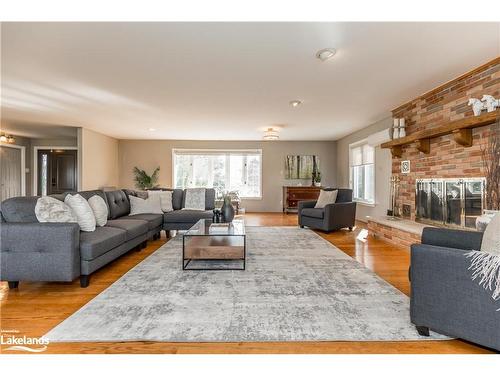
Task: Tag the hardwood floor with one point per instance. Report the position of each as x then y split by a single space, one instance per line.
35 308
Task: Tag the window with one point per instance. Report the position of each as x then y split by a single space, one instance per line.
362 172
224 170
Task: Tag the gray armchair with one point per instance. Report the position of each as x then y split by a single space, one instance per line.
443 296
341 214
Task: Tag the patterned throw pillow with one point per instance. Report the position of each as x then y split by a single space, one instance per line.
326 197
195 199
81 208
51 210
100 210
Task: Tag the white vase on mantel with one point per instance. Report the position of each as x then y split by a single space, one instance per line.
402 130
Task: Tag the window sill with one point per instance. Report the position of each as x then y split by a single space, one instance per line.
363 203
251 198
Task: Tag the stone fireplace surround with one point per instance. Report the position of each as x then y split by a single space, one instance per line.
446 158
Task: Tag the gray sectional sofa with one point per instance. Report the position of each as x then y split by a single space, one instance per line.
34 251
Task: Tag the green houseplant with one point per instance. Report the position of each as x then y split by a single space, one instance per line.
317 179
143 181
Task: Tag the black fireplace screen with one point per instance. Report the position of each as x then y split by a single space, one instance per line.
454 202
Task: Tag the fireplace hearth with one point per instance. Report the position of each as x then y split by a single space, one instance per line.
450 201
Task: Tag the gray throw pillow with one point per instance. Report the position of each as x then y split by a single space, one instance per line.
51 210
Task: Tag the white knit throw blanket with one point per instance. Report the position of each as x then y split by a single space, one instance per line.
486 267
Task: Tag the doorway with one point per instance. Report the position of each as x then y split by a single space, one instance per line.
12 171
57 171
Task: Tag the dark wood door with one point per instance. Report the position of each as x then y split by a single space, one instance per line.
57 171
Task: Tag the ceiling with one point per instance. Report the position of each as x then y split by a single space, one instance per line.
228 81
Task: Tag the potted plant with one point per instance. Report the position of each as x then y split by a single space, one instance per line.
144 181
317 179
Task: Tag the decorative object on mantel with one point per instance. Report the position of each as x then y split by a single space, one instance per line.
461 130
490 103
394 211
477 106
395 129
405 166
143 181
402 130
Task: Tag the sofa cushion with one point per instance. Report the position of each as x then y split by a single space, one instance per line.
154 220
134 228
317 213
19 210
103 239
186 216
118 204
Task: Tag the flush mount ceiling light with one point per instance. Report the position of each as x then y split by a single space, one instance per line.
152 129
326 53
295 103
271 134
7 138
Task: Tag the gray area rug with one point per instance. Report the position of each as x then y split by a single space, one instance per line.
297 287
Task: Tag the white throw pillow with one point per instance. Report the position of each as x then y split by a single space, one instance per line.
165 199
52 210
326 197
100 210
195 199
81 208
145 206
491 236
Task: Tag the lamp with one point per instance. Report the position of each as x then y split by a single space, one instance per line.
7 138
271 135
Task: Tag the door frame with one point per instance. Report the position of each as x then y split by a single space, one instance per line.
23 165
35 163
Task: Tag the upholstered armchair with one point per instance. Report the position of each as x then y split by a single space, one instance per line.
334 216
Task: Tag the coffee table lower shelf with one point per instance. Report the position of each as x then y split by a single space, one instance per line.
222 251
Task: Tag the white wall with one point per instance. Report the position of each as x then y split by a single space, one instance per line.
383 165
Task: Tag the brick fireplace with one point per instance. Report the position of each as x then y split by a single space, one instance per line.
444 156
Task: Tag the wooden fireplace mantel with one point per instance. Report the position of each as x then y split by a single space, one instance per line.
461 130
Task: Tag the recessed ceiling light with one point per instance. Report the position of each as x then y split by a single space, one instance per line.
271 134
295 103
152 129
326 53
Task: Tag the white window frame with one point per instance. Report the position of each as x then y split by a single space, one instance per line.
351 182
221 151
